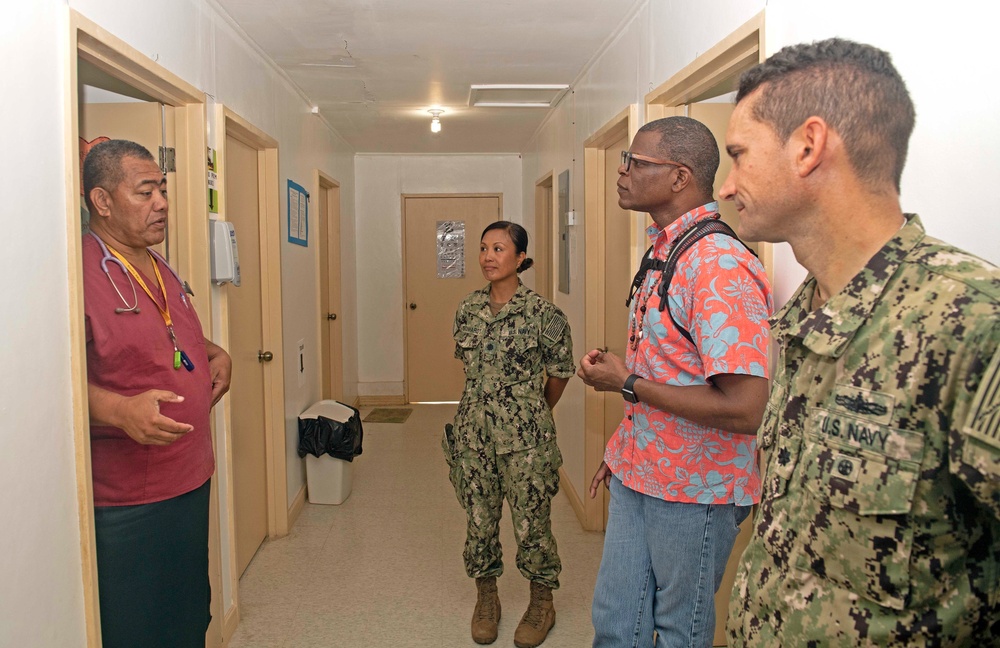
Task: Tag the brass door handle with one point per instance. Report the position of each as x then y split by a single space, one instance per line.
264 356
331 316
413 306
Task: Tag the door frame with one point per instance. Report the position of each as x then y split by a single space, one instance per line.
232 124
591 511
322 182
402 230
97 46
715 72
543 242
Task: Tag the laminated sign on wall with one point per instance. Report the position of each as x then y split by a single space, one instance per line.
451 249
298 214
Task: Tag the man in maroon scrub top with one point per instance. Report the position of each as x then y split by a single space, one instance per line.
152 379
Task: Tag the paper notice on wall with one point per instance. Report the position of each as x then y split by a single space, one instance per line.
213 182
451 249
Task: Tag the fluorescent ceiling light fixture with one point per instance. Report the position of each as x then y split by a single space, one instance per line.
516 95
337 62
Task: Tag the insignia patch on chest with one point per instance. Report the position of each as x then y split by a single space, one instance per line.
846 467
983 421
553 332
860 405
865 403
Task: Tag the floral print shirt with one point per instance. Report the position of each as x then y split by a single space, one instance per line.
721 295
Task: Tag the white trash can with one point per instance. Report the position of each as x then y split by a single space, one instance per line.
329 480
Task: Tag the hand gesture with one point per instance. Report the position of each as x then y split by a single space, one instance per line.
603 371
139 416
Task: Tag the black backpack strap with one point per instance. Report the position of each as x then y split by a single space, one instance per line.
685 242
648 263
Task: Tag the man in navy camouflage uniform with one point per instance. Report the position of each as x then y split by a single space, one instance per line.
879 521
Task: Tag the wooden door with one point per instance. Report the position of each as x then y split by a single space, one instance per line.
716 117
138 121
432 372
242 207
540 249
618 277
328 212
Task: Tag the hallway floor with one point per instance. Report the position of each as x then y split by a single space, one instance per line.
384 569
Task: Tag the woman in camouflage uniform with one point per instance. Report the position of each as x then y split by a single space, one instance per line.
503 441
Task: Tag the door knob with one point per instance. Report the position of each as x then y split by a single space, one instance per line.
413 306
264 356
331 316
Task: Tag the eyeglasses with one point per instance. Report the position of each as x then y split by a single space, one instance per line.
628 157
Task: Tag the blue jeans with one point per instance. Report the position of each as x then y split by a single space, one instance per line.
661 566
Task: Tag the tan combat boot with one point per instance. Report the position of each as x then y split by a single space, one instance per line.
487 613
537 620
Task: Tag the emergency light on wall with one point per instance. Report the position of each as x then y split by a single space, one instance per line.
436 120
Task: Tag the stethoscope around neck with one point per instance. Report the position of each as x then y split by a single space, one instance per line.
134 308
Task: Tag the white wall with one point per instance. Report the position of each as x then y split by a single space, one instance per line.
944 55
41 582
381 179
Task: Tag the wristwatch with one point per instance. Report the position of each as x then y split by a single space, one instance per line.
627 392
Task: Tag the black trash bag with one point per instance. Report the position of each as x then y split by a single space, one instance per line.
339 439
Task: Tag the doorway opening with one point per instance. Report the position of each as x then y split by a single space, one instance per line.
544 217
330 280
175 115
251 328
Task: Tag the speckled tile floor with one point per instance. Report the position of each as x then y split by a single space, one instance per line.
384 569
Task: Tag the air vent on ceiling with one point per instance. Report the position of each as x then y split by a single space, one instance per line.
516 95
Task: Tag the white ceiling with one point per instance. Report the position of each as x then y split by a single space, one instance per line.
374 67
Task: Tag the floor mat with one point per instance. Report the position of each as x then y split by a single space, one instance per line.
388 415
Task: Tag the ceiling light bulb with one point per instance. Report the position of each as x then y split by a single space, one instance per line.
435 119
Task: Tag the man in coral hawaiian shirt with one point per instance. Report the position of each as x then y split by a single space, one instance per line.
682 466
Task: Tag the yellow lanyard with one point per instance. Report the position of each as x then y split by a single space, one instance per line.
180 358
